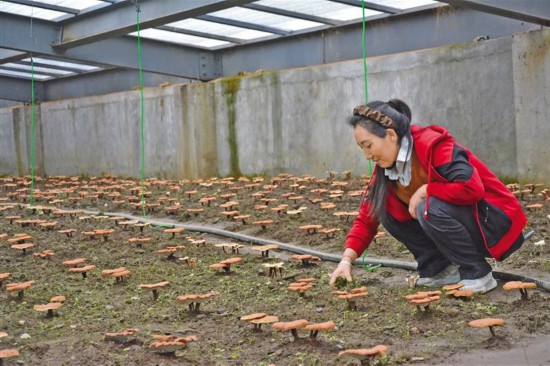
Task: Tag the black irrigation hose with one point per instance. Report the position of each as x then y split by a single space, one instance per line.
296 249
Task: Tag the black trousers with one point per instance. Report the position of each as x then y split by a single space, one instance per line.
450 234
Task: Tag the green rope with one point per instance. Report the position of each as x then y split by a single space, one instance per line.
32 132
367 267
365 78
142 114
364 53
142 118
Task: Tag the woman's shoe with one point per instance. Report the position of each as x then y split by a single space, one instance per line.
448 276
481 285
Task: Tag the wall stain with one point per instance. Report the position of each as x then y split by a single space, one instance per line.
230 88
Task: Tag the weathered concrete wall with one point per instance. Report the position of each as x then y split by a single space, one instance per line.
531 59
492 96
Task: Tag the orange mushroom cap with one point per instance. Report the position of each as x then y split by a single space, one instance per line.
108 272
265 319
74 262
516 285
48 306
230 261
326 326
82 269
464 293
253 316
486 322
155 285
296 324
7 353
365 352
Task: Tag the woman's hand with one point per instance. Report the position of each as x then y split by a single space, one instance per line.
342 270
418 196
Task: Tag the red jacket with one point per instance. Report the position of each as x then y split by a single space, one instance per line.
457 176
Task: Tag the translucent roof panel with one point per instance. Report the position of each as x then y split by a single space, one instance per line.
173 37
38 69
30 11
405 4
217 28
68 65
267 19
325 9
74 4
23 74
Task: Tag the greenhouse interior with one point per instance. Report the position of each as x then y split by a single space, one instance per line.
274 182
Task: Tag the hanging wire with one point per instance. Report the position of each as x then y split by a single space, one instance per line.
142 115
141 111
31 200
367 267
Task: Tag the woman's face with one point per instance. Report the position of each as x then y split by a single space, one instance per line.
382 150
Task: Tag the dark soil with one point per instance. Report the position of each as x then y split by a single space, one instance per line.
98 304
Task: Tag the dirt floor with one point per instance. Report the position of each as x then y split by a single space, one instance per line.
99 304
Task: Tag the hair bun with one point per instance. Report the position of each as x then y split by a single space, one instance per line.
401 107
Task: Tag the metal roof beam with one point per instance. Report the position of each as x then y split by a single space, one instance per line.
102 82
238 23
11 56
532 11
120 18
158 57
371 6
55 67
38 4
45 73
398 33
201 34
293 14
19 90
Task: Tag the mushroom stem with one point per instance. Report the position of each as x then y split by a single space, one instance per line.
84 275
313 334
20 295
197 305
492 331
523 292
49 314
294 333
155 294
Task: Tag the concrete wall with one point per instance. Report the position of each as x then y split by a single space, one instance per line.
531 60
492 95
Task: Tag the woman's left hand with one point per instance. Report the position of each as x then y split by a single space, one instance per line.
418 196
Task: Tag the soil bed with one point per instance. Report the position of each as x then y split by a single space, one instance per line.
98 304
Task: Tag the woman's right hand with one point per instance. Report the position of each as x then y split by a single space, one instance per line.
342 270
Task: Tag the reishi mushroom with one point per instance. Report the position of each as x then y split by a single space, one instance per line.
293 326
264 249
120 337
487 322
82 270
7 353
521 286
49 307
155 287
319 327
19 287
365 353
